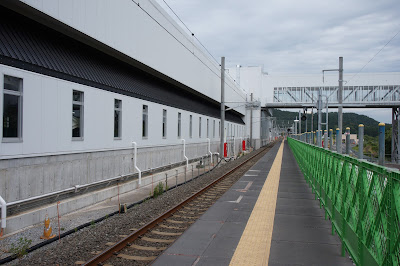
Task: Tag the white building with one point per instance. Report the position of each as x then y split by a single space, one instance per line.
82 80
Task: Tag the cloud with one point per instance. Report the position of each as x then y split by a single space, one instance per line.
288 36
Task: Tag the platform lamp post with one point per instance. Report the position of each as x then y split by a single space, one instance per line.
295 125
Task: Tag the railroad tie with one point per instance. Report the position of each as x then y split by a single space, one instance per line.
139 258
172 227
175 221
95 252
165 233
156 240
184 217
148 248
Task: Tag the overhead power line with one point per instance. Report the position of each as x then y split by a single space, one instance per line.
180 42
374 56
190 31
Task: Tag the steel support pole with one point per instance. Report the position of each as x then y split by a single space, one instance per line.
381 155
360 141
398 135
299 122
221 146
347 140
340 100
331 139
306 130
338 141
312 119
319 106
395 151
251 121
325 139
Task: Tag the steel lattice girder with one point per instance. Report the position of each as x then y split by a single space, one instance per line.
365 96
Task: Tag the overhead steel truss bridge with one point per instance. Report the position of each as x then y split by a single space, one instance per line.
380 96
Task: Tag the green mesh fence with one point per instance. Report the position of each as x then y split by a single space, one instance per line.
361 199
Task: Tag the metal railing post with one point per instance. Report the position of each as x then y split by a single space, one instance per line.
348 140
381 144
360 141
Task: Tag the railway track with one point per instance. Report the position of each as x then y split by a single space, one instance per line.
143 245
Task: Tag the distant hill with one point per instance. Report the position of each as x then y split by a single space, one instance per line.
351 120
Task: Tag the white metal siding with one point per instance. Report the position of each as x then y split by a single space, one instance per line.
47 119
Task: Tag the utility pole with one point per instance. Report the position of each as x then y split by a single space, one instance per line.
312 119
221 146
300 122
319 107
340 100
251 120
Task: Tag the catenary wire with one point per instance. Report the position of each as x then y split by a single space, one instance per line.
374 56
155 20
190 31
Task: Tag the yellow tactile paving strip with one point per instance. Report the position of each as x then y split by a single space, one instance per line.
255 243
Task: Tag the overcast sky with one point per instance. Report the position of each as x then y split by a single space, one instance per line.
292 36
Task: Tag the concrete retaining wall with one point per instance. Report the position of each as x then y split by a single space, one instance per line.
28 177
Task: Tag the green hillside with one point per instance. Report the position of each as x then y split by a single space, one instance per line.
351 120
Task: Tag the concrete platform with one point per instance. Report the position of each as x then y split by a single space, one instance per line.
300 235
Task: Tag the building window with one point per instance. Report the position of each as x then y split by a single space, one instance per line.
145 115
117 118
77 114
190 126
207 128
179 124
199 127
213 128
12 109
164 124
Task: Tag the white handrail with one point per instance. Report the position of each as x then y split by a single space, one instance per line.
3 205
134 162
209 150
184 153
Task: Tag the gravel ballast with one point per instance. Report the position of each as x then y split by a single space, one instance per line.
83 244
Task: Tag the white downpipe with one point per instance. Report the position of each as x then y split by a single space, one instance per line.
135 161
209 150
184 153
234 146
3 205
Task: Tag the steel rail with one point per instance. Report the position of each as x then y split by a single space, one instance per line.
106 254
